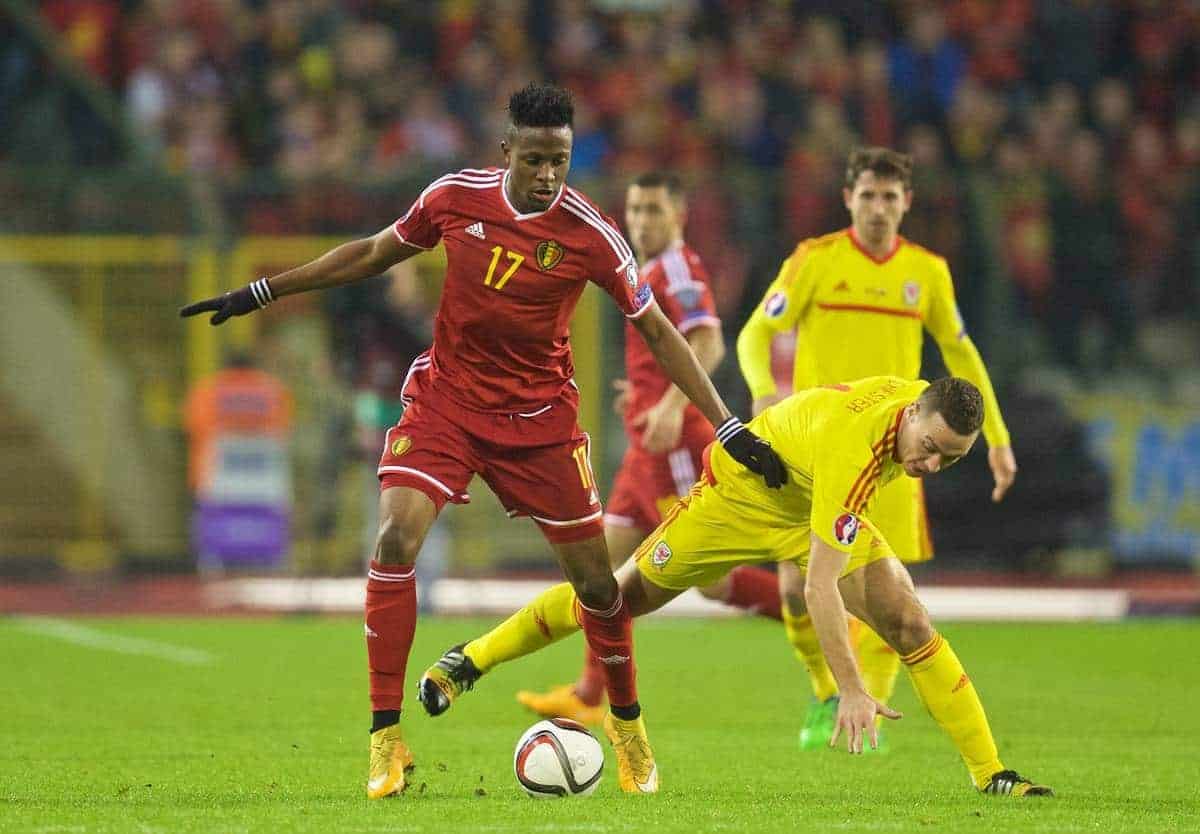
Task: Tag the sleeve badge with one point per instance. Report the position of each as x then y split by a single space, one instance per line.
845 528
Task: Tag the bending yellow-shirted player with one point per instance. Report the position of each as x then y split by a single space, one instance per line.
860 301
842 444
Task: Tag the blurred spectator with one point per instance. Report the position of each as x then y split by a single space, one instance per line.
870 104
926 67
1149 191
1088 267
238 421
1072 40
937 194
1112 113
1024 224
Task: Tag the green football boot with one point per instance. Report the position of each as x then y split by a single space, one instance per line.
818 724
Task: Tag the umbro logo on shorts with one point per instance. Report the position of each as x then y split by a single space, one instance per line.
476 229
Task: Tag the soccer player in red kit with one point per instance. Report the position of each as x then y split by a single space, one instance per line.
667 434
494 396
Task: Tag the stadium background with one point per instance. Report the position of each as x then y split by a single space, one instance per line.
153 153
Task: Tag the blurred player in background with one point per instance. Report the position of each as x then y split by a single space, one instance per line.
843 444
494 396
860 301
666 433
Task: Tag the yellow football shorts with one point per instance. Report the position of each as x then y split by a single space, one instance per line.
710 531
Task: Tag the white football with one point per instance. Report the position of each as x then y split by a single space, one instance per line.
558 757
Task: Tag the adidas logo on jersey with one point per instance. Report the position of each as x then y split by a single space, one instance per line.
476 229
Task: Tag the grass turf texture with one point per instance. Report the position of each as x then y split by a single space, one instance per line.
271 735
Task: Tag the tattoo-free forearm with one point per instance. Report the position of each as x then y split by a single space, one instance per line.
709 348
828 613
352 261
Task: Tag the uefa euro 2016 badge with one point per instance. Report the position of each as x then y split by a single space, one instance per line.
845 528
660 555
912 293
775 304
401 445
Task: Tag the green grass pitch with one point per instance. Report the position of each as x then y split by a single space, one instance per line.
269 735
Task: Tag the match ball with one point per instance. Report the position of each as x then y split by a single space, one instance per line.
558 757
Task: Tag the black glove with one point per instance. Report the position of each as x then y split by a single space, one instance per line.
752 452
249 298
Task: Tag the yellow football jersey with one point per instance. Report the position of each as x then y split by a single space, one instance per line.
837 442
856 316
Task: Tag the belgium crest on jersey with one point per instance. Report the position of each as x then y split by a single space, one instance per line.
549 253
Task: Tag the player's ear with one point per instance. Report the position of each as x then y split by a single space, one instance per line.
506 149
908 198
846 195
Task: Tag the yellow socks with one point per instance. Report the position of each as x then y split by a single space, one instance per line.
878 664
951 699
803 637
550 617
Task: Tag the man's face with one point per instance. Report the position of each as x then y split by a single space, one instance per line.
538 159
925 444
876 206
653 218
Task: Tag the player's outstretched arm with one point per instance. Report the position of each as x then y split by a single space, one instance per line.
856 708
349 262
680 364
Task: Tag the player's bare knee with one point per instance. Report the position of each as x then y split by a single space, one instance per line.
596 591
397 543
906 628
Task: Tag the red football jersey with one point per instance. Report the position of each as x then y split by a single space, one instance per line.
512 281
679 281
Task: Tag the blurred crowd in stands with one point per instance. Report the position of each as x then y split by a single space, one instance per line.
1057 141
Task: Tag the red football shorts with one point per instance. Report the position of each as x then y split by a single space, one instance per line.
539 464
647 485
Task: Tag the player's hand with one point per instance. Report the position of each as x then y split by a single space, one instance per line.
752 452
1004 470
253 296
621 401
763 403
663 424
856 717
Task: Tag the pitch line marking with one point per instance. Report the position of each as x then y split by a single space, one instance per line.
92 638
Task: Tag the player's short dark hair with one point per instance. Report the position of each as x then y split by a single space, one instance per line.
958 401
661 179
882 162
541 105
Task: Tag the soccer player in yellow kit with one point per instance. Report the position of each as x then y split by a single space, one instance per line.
860 301
842 445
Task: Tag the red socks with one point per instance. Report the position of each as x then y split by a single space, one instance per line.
610 637
755 589
391 621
